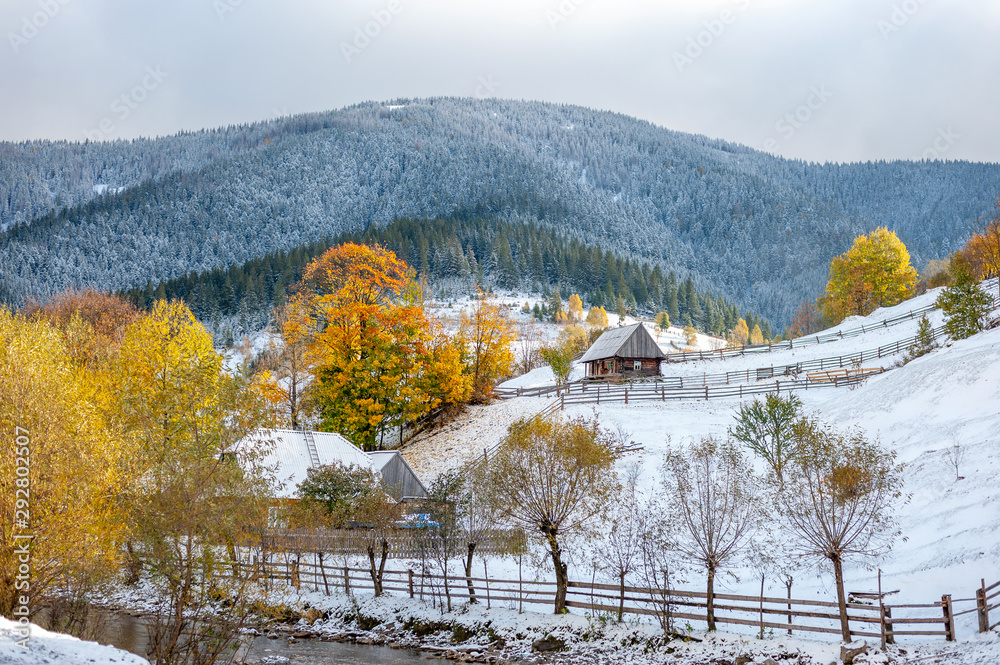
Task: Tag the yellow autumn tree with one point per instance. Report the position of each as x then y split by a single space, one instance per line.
574 307
756 336
597 317
741 334
189 502
489 334
875 272
58 521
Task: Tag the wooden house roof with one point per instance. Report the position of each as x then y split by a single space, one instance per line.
632 341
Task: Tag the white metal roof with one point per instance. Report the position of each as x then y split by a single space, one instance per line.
289 455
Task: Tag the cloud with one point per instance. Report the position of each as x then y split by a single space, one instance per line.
733 69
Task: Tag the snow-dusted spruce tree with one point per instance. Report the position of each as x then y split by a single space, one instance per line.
765 427
715 502
923 343
554 479
964 303
839 500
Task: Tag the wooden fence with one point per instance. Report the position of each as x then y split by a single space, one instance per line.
811 340
404 543
674 607
984 596
850 361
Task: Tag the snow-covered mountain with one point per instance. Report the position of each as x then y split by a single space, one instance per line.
757 229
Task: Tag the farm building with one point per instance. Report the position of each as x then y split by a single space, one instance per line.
293 452
624 352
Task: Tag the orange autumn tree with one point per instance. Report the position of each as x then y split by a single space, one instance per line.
982 252
379 361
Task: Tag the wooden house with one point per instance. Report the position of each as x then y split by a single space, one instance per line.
291 453
625 352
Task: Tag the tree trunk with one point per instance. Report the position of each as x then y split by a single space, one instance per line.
838 573
376 571
562 577
710 597
621 597
468 573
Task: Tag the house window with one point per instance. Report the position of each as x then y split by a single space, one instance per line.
637 365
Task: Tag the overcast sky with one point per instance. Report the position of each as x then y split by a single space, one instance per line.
824 80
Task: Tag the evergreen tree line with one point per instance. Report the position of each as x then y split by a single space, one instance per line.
453 257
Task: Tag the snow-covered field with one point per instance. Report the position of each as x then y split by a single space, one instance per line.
951 527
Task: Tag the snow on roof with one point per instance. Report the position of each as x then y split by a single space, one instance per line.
289 455
632 341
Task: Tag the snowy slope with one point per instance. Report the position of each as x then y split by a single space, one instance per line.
952 395
44 647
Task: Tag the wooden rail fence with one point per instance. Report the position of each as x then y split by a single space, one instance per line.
850 360
669 605
404 543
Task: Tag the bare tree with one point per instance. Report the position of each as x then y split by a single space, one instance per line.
529 341
477 520
620 551
765 427
447 506
770 557
955 456
714 497
376 515
660 565
838 500
553 478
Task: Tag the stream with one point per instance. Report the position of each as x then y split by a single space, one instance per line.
128 632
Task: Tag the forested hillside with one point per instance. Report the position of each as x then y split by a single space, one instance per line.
454 257
757 229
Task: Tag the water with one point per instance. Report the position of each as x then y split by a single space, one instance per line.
127 632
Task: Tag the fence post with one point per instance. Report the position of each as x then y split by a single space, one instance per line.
562 402
409 572
887 624
626 395
982 607
347 581
949 618
706 392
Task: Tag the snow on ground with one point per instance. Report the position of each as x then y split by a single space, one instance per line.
951 395
478 428
43 647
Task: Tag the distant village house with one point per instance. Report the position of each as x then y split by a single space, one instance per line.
624 352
